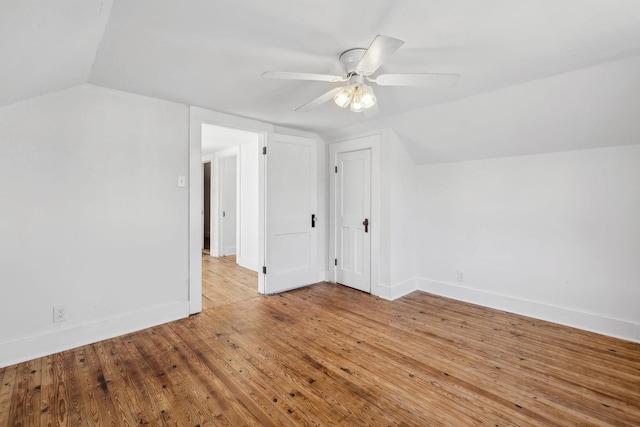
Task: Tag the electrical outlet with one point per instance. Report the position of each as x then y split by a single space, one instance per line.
460 276
59 313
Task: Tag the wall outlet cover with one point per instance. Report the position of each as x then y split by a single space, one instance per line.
59 313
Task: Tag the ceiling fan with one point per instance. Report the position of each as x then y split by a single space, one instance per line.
359 65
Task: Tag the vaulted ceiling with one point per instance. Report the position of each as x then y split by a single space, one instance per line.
211 53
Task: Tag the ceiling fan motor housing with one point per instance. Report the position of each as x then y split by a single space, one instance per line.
350 59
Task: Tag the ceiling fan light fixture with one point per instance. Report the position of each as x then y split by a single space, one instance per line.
362 98
343 97
367 97
356 100
358 66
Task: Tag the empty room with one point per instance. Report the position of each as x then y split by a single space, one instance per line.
292 213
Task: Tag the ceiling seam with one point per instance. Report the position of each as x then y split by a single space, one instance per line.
107 19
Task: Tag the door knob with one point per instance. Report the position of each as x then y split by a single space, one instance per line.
366 225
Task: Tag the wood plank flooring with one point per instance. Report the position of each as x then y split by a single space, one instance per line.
330 355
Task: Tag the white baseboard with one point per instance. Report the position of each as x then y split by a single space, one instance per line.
247 263
391 292
592 322
24 349
565 316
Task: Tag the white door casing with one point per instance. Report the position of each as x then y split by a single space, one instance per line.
373 144
291 199
353 219
197 118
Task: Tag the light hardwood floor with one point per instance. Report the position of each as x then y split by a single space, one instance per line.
329 355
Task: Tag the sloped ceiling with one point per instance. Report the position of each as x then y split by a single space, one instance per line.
48 45
211 53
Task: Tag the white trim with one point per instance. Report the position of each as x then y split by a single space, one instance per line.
246 263
195 213
262 212
393 292
29 348
617 328
371 142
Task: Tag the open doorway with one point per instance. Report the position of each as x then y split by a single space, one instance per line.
234 192
283 161
231 186
206 208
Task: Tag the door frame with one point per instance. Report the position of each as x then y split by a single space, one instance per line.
197 117
349 276
371 142
208 159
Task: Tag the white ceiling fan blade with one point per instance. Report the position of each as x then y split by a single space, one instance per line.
426 79
319 100
285 75
379 51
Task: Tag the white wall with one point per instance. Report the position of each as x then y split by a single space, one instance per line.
552 236
397 218
402 217
91 218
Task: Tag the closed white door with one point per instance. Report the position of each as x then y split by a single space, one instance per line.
291 194
353 219
228 191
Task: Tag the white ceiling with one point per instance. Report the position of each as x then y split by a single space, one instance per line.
47 46
211 53
217 138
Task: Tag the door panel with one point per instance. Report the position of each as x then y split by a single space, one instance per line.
353 206
228 192
291 178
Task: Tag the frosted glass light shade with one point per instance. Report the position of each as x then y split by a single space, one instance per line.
356 101
358 97
367 97
343 97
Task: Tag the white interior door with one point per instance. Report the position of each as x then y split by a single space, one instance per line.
353 219
228 191
291 187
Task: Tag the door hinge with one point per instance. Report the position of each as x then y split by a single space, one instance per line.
336 169
264 150
264 269
335 262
